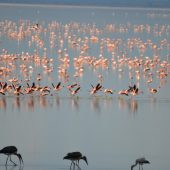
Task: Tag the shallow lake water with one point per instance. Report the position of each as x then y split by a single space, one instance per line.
111 130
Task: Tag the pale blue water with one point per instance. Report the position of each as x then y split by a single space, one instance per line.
111 131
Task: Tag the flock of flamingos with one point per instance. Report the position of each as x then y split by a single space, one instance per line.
76 48
75 44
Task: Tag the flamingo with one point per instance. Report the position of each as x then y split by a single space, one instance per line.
152 90
3 88
75 91
57 87
95 88
110 91
17 90
124 92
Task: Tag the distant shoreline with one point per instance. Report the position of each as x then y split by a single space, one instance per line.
82 6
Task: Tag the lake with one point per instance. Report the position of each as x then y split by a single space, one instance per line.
116 47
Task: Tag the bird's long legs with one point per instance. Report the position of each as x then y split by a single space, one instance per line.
12 161
76 163
7 160
72 163
140 167
9 157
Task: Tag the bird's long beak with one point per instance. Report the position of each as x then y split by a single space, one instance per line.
20 158
85 159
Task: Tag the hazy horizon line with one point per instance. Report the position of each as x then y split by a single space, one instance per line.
82 6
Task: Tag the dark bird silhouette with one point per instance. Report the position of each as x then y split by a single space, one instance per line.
75 157
140 162
9 151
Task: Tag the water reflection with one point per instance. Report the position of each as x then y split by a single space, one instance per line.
95 105
11 167
3 103
75 103
17 102
130 104
75 168
30 103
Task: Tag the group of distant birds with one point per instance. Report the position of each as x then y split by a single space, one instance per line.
36 89
74 157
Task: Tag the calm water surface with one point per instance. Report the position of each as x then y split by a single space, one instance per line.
111 131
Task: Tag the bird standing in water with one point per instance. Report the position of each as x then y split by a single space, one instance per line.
75 157
9 151
140 162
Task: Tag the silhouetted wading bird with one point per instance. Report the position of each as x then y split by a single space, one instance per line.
9 151
75 157
140 162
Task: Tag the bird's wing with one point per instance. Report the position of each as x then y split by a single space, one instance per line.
33 85
9 149
140 159
5 85
77 89
98 85
74 154
13 86
28 85
53 85
92 86
19 88
58 85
